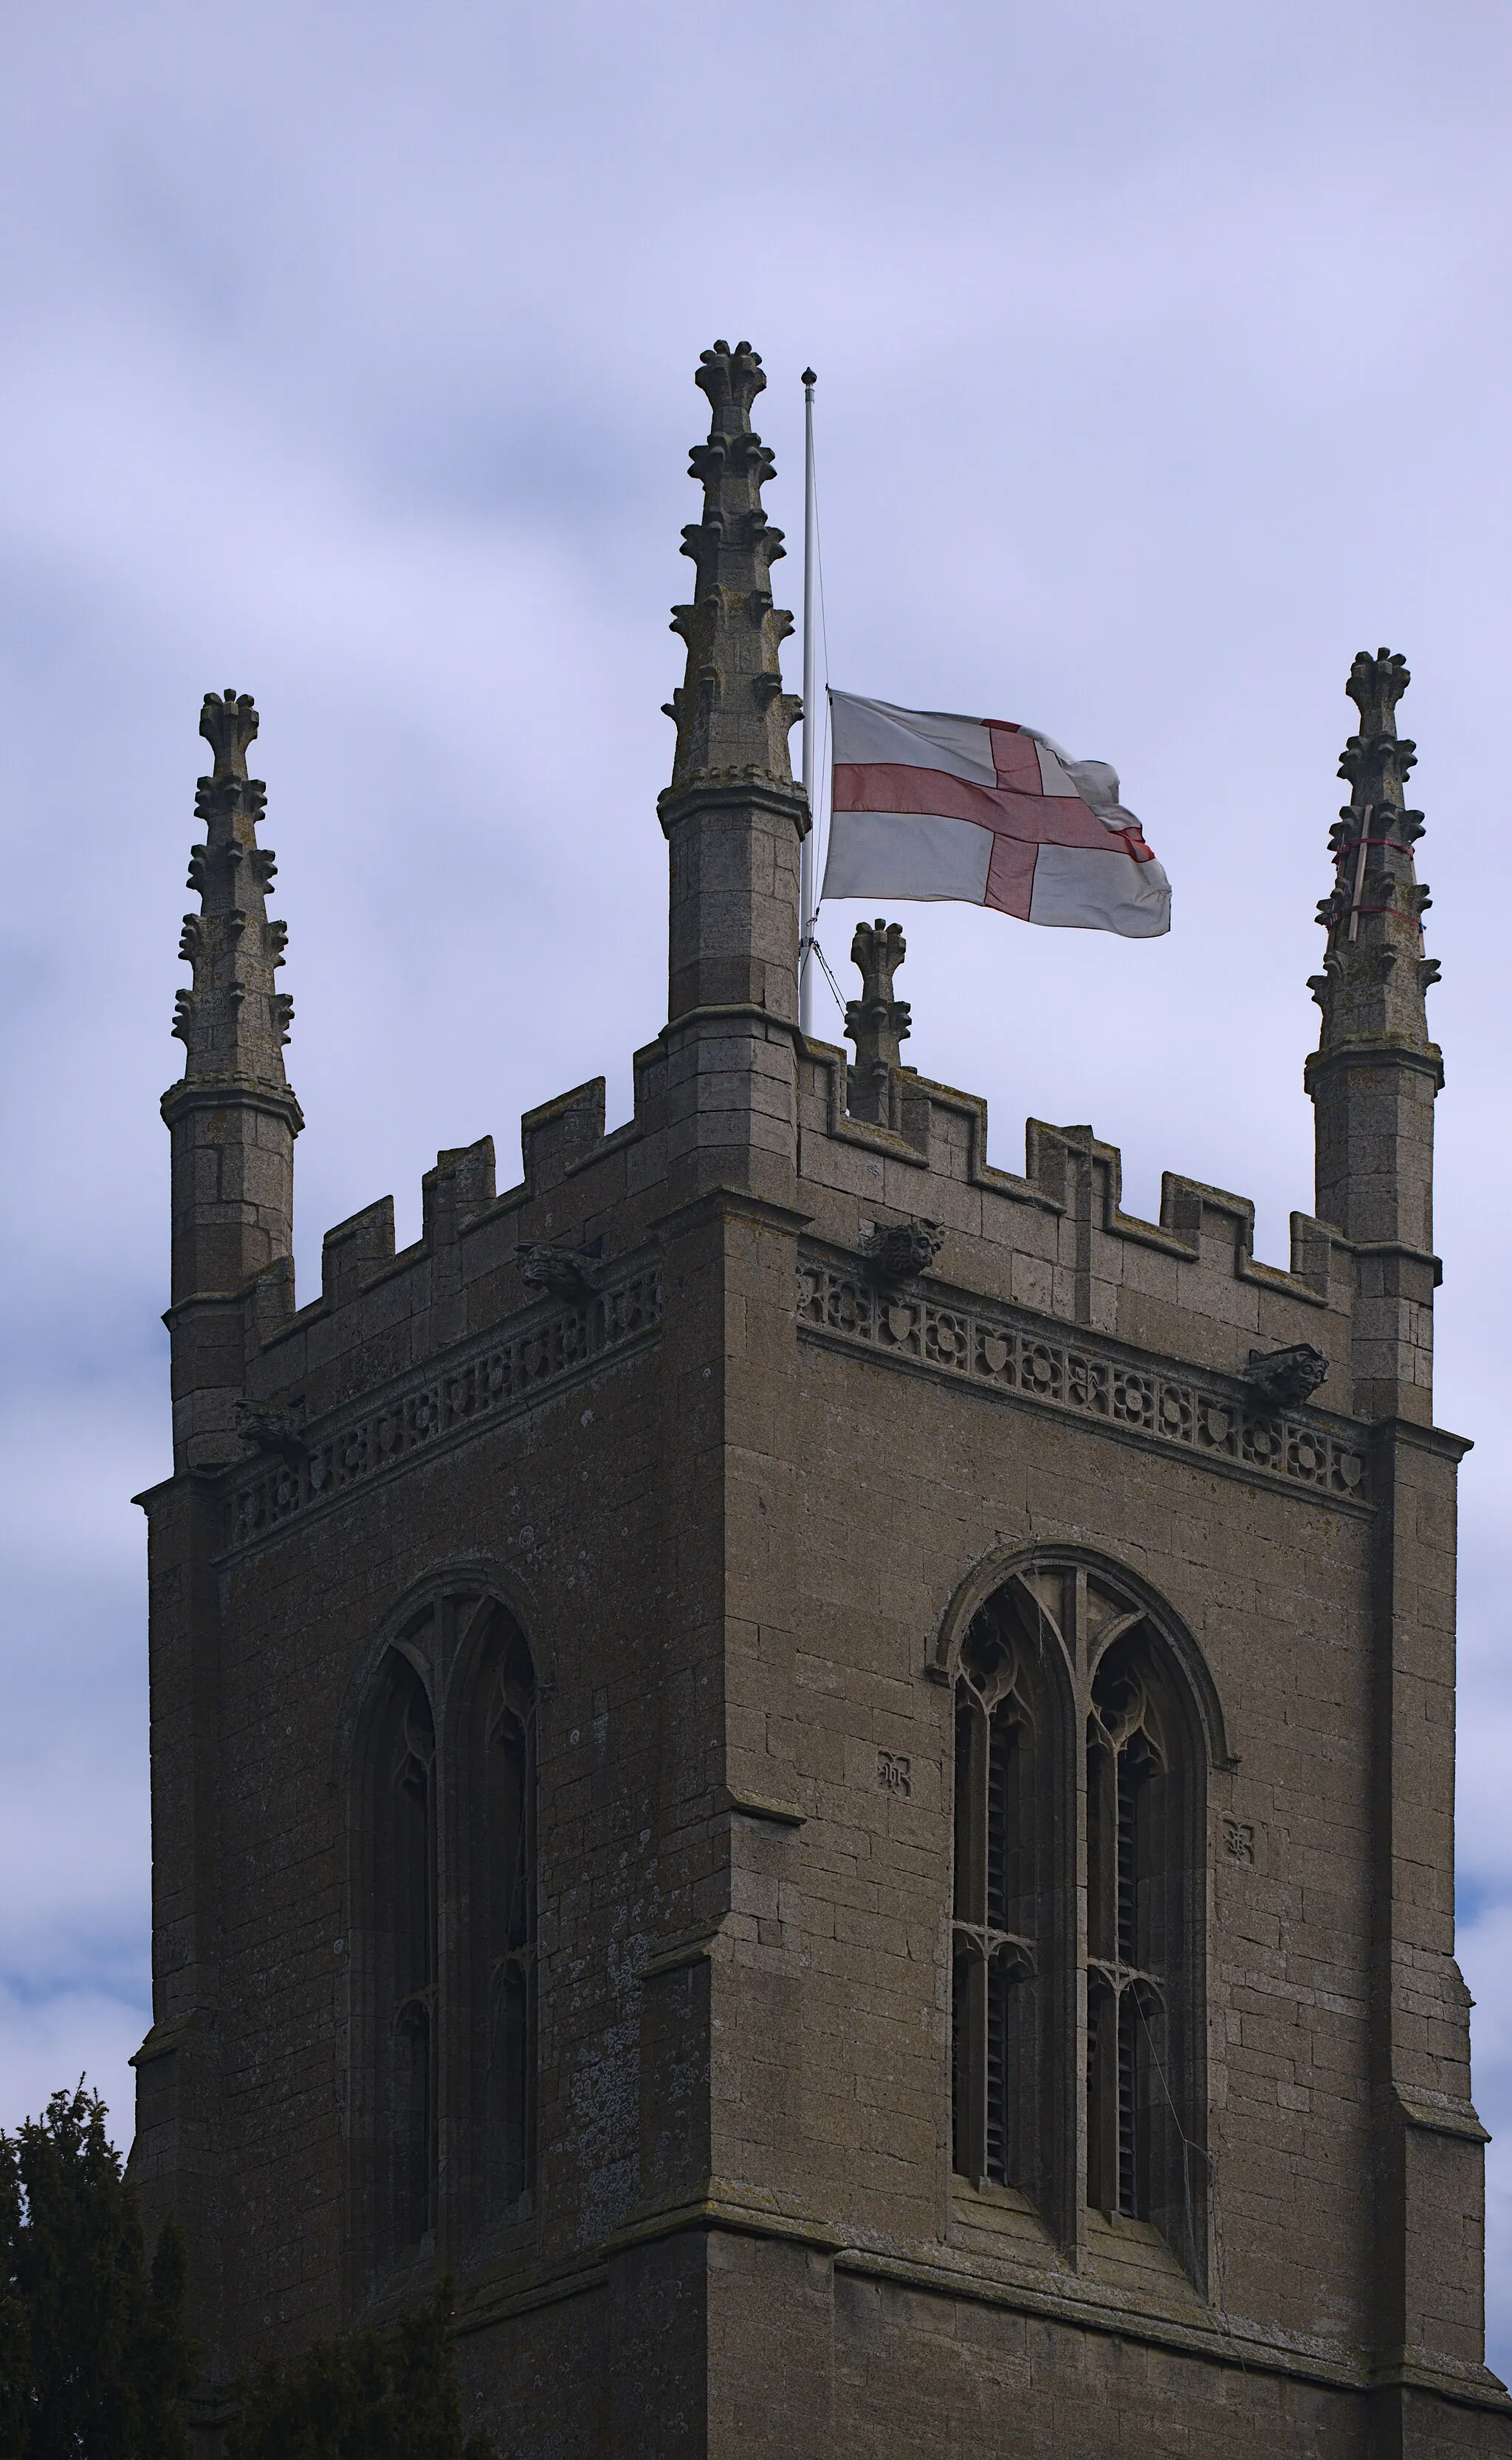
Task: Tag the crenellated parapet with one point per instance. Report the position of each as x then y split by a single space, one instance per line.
916 1207
732 715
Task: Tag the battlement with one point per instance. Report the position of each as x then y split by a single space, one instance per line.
1054 1239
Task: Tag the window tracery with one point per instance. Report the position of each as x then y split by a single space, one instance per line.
444 1921
1045 2017
1134 1979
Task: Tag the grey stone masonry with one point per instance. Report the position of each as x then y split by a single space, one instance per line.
734 821
1376 1072
876 1023
232 1117
824 1768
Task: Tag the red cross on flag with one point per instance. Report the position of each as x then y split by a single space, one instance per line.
928 806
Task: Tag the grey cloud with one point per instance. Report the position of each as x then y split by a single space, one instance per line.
1163 366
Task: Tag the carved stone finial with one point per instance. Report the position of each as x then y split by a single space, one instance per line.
228 722
731 379
876 1022
732 715
1375 684
1375 973
1287 1377
233 1024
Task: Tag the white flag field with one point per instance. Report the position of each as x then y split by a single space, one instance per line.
928 806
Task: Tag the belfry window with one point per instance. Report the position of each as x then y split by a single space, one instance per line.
444 1884
1040 2026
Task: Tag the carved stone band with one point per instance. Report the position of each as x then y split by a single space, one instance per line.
493 1380
1028 1360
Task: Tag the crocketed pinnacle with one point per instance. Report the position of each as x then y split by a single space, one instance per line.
1374 974
732 713
876 1023
233 1024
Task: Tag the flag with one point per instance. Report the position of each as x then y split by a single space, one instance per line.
928 806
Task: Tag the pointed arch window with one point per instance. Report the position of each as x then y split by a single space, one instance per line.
1051 2021
444 1920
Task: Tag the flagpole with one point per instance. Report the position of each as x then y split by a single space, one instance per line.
806 889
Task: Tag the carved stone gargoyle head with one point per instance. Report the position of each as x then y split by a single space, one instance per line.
267 1429
901 1251
567 1272
1287 1377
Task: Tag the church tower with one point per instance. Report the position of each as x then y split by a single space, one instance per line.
824 1770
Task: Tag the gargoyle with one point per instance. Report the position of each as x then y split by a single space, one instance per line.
901 1251
1288 1376
567 1272
270 1430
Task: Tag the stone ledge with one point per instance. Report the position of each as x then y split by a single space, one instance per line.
1441 2114
757 1806
1073 2304
681 1953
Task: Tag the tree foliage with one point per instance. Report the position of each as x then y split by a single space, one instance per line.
371 2396
94 2362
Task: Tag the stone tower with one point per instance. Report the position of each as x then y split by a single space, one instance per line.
824 1768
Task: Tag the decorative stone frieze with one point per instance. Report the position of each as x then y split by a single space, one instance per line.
1023 1358
480 1385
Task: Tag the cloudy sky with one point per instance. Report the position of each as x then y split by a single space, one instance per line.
1164 360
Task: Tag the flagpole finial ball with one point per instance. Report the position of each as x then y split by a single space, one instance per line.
809 377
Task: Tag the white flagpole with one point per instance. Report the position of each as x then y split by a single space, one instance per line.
806 892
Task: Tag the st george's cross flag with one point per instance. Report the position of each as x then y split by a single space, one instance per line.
928 806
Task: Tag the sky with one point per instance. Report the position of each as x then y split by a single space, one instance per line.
1163 361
